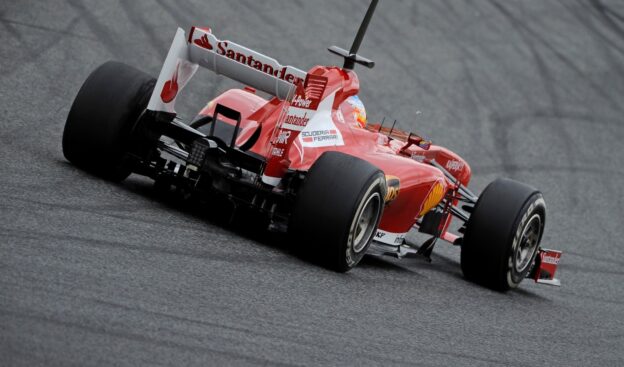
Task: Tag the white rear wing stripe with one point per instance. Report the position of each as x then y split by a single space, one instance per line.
242 73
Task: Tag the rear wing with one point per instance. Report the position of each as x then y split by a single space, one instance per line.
302 94
237 62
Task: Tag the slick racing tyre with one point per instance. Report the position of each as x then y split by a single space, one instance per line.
102 117
338 209
503 235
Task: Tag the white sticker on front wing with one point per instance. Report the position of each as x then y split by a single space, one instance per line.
389 238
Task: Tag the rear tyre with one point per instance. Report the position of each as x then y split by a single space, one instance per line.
338 209
102 117
503 235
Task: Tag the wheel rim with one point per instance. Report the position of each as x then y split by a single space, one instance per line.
366 222
529 240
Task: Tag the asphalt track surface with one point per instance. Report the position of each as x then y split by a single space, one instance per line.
95 273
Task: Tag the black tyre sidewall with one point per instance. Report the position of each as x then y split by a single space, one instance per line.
102 116
493 230
334 190
535 205
375 186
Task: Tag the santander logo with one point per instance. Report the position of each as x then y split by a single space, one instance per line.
300 121
203 42
170 89
224 49
245 56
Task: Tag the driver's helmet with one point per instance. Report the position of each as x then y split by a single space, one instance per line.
359 112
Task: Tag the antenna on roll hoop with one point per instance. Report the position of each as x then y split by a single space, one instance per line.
351 57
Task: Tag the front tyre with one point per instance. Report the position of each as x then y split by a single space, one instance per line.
338 209
101 119
503 235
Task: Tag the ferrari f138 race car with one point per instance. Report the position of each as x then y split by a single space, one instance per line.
306 159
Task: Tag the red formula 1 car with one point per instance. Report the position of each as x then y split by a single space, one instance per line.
306 158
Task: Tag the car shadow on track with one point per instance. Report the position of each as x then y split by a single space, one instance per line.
450 267
244 223
223 215
254 228
377 262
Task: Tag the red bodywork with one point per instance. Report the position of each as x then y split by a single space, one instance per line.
420 186
312 113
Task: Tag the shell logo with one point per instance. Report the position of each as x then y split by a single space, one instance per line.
393 185
360 117
433 198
